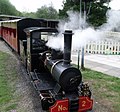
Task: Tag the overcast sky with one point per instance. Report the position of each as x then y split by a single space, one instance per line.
32 5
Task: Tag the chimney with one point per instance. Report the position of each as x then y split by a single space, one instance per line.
67 46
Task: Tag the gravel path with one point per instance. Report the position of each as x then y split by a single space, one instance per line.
29 100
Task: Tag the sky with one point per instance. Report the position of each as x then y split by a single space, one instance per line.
33 5
115 4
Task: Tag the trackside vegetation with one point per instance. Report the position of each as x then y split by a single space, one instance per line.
105 89
7 83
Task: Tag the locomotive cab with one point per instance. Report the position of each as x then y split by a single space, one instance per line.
36 40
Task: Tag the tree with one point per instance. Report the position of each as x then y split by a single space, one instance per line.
47 12
29 14
7 8
97 14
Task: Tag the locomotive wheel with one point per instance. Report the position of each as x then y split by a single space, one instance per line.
44 104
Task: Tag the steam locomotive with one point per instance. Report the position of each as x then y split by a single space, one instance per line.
58 83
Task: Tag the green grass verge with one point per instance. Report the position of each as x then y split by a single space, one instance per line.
7 80
105 89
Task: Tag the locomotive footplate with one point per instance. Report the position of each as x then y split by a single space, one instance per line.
34 76
42 81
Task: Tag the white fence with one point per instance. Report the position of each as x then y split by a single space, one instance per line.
103 47
111 45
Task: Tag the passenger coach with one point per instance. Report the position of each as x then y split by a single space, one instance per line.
12 31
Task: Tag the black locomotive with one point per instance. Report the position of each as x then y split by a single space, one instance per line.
58 83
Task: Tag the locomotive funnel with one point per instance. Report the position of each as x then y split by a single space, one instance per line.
67 46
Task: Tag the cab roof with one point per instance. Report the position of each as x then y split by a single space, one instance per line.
40 29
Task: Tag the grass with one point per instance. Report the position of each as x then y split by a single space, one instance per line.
7 80
105 89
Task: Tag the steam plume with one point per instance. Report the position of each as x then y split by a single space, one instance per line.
113 21
82 36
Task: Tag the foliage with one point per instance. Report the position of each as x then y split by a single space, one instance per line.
44 12
29 14
96 15
7 8
47 12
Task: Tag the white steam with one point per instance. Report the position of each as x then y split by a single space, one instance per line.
82 36
72 23
56 42
113 21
